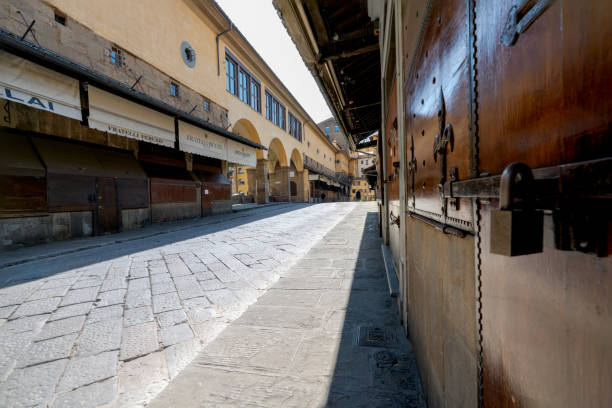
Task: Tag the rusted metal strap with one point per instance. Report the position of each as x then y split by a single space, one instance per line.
588 179
447 229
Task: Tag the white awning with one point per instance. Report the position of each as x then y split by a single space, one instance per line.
196 140
240 153
25 82
320 177
114 114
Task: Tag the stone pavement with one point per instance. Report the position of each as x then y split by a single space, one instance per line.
110 321
326 334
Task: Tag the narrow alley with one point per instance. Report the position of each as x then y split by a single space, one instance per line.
115 324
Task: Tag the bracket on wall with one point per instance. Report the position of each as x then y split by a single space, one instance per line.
520 17
412 168
453 175
444 138
394 219
136 83
7 109
29 29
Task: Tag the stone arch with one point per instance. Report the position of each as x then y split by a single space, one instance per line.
276 152
245 128
296 160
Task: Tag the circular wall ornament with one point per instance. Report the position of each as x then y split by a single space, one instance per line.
188 54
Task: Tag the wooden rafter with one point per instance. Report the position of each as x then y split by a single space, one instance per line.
317 21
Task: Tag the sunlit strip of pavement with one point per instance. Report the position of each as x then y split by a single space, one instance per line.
326 334
112 325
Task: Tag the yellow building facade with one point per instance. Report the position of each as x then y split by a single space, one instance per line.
194 42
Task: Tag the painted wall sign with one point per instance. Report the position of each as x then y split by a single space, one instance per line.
113 114
241 154
32 85
196 140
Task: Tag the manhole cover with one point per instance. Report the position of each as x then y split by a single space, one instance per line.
370 336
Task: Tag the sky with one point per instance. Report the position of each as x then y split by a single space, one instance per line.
259 22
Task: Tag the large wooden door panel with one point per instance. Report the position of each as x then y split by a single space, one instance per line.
107 209
547 99
547 328
436 92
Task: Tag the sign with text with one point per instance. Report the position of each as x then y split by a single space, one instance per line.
196 140
30 84
114 114
241 154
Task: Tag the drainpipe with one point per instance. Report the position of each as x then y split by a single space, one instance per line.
231 27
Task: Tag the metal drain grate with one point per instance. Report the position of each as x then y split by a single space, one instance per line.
371 336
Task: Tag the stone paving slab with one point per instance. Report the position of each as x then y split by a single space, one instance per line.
321 336
109 321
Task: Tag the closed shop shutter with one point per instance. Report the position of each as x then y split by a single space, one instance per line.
74 170
215 187
22 175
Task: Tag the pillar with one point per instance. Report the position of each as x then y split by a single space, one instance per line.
282 187
263 186
252 182
303 186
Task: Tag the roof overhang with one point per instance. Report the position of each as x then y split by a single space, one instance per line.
339 44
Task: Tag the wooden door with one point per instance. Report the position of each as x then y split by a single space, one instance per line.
491 83
545 99
107 210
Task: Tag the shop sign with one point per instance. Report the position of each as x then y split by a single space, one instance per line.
114 114
240 153
196 140
30 84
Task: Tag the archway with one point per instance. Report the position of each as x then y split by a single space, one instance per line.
278 171
244 178
296 159
245 128
296 177
358 196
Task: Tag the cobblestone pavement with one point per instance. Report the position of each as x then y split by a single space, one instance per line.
112 325
326 334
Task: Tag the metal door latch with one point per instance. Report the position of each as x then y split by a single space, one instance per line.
520 17
517 227
394 219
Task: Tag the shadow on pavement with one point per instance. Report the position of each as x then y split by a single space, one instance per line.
375 365
22 265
